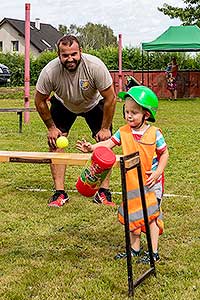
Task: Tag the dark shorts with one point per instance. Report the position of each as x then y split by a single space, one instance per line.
64 118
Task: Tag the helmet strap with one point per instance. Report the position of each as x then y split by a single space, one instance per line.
141 123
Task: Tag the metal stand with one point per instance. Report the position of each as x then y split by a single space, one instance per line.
20 121
127 163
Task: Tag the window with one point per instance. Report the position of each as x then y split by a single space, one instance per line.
1 46
46 43
15 45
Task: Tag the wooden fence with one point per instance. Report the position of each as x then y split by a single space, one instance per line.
188 82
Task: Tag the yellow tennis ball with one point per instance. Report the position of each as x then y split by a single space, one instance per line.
62 142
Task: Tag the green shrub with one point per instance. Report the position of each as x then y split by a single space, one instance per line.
38 64
132 59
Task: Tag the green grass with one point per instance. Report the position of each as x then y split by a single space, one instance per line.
68 253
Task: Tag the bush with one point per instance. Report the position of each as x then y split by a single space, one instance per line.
38 64
131 57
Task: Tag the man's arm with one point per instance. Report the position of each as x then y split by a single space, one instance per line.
44 112
43 109
108 113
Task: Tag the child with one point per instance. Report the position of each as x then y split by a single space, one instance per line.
168 69
137 135
171 73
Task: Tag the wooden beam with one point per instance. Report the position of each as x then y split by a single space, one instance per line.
16 109
70 159
19 112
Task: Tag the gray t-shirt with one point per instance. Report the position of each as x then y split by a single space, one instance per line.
78 90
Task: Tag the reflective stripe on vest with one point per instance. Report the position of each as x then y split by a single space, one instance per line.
146 147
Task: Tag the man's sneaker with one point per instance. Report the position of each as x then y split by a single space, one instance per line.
134 253
146 258
103 196
58 199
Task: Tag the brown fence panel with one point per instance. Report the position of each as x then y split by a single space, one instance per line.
194 79
188 82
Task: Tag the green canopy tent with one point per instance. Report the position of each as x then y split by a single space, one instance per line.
174 39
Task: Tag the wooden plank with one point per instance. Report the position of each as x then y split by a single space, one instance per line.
71 159
19 112
16 109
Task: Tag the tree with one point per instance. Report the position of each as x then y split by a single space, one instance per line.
92 36
73 29
62 28
96 36
189 15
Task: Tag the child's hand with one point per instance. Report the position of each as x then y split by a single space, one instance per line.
152 178
84 146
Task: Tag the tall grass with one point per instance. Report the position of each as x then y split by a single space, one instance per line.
67 253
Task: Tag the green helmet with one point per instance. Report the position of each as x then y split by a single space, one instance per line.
143 96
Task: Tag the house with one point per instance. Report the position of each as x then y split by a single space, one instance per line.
42 36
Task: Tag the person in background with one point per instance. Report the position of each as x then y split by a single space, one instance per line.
81 86
141 105
171 77
130 82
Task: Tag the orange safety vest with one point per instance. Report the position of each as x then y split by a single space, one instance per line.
146 147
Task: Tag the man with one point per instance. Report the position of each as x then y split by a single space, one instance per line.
82 86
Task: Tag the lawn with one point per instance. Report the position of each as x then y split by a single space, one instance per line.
67 253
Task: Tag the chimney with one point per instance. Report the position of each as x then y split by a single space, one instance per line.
37 23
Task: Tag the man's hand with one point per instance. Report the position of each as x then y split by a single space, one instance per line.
53 134
103 135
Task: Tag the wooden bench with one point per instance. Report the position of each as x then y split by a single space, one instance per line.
19 112
70 159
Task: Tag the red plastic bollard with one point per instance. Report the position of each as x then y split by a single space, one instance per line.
94 173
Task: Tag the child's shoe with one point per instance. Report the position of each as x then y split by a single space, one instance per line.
134 253
146 258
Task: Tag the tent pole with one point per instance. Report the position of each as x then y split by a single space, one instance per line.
142 67
120 61
148 68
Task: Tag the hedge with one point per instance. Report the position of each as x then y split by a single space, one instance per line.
131 58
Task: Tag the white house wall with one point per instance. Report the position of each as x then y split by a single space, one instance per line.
9 34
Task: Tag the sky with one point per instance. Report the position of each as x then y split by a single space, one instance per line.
137 21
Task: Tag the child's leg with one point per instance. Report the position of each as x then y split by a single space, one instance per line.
172 94
154 230
175 94
135 241
135 246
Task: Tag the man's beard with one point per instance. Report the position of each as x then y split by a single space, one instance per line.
75 63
